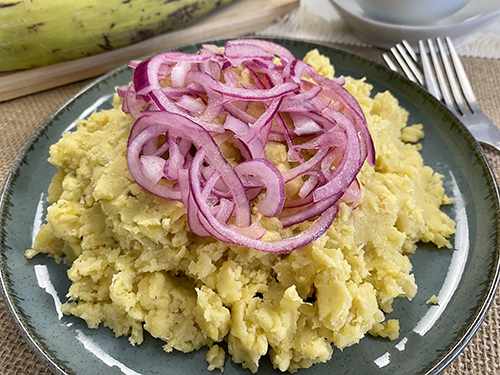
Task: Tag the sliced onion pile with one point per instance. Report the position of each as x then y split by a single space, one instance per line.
187 106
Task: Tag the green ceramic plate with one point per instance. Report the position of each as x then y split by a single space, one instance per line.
465 278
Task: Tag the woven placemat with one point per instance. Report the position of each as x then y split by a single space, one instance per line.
20 118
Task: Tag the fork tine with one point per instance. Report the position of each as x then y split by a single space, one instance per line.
410 50
407 53
443 87
480 126
429 76
462 77
404 66
450 74
389 62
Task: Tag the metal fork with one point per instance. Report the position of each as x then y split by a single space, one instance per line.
428 72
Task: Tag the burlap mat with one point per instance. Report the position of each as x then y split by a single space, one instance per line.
19 119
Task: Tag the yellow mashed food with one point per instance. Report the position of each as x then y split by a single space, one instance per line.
433 300
135 265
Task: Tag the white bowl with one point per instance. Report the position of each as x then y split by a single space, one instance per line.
410 12
477 14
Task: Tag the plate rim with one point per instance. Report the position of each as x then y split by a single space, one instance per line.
440 364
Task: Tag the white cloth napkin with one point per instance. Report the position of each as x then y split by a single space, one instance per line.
318 20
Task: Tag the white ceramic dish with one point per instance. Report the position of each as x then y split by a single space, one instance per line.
473 16
411 12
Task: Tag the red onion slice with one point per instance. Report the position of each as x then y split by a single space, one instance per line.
269 177
229 235
285 55
211 84
159 123
136 165
304 125
175 146
152 167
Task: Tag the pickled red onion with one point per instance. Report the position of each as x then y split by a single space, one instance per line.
187 105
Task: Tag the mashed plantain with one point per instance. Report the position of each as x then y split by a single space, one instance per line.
135 265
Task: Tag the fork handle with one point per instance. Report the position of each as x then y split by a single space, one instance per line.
486 132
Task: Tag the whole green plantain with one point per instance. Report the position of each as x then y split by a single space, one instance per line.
35 33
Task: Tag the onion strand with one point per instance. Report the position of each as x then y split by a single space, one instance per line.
189 107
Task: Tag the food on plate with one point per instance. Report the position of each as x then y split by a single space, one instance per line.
35 34
153 221
433 300
234 119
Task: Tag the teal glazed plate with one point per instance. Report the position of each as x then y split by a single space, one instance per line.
464 278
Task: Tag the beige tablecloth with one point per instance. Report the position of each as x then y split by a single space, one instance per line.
19 118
